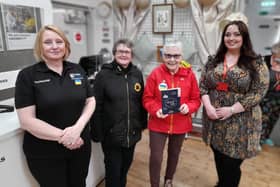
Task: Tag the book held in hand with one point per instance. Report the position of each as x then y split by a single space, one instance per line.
170 100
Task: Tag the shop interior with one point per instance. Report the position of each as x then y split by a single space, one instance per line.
92 27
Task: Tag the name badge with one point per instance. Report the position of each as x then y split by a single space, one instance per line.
162 86
77 78
222 86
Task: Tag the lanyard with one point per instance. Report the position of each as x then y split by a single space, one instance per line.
226 68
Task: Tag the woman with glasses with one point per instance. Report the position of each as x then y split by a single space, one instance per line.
170 124
54 103
120 117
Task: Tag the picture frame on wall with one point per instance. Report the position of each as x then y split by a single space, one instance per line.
162 15
20 26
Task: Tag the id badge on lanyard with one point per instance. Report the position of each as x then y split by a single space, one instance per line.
223 86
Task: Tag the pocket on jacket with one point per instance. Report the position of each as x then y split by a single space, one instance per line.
116 135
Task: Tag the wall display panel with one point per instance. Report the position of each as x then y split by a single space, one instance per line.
182 25
15 58
20 26
182 30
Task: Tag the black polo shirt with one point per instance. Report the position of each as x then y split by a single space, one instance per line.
59 101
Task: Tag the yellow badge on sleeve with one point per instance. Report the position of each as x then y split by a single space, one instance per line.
137 87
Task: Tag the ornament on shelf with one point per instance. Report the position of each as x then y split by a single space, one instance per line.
123 4
206 2
181 3
142 4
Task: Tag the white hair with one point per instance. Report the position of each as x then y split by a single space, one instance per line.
275 49
172 43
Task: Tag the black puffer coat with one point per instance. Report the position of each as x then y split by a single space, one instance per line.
119 117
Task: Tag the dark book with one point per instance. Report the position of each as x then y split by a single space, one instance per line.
170 100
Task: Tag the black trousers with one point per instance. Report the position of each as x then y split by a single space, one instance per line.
117 163
228 169
70 171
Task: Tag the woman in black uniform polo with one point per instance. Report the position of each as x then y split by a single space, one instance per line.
54 104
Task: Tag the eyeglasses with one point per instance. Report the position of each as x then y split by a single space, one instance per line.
170 56
277 60
124 52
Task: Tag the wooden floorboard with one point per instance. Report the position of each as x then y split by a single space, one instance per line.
196 167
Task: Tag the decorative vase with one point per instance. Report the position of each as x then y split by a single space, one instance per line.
123 4
142 4
206 2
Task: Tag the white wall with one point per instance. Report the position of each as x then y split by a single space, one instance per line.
102 26
263 38
95 24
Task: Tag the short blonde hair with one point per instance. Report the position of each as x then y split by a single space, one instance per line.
38 46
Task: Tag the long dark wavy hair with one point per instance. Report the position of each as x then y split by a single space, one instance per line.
247 54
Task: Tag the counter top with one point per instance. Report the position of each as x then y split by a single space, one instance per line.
9 123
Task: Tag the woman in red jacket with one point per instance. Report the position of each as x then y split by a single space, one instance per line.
175 124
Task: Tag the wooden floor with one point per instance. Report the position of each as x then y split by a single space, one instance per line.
196 167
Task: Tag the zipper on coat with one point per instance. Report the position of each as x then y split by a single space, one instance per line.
172 115
128 110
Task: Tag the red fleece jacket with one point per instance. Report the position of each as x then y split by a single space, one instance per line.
190 95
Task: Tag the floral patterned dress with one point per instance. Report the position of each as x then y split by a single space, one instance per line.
239 135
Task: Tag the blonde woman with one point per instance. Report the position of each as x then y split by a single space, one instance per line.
54 104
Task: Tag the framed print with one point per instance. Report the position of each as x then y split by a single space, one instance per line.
162 18
20 26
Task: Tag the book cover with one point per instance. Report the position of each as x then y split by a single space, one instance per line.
170 100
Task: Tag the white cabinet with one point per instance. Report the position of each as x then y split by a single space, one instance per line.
14 171
96 171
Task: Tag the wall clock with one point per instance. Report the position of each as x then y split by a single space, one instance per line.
104 9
